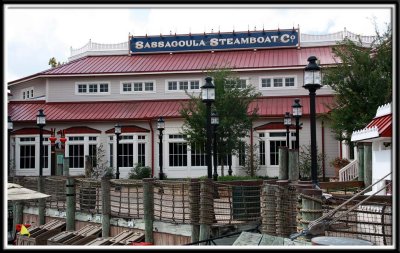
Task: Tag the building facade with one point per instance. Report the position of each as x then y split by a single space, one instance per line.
102 85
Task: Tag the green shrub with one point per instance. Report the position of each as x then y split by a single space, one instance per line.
140 172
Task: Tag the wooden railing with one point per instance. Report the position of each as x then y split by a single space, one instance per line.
349 172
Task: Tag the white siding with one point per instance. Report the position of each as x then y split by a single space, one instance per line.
39 88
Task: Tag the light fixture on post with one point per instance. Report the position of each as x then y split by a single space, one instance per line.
297 113
117 131
215 123
208 97
10 128
40 122
161 127
312 82
287 121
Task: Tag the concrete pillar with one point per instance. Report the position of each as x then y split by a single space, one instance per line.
367 164
148 205
293 165
70 196
106 206
283 162
360 159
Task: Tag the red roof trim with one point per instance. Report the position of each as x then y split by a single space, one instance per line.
129 129
80 130
29 131
274 126
384 124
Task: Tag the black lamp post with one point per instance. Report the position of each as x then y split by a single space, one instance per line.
10 128
287 122
161 127
297 114
40 122
312 82
215 123
208 97
117 131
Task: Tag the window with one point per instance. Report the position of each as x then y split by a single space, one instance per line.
277 82
240 83
126 155
92 88
45 156
182 85
225 160
93 154
142 154
27 93
76 156
262 152
27 156
131 87
198 156
274 151
111 155
242 154
76 138
177 154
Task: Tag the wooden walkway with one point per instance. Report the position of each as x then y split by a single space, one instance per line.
254 239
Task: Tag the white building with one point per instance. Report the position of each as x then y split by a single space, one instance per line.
102 85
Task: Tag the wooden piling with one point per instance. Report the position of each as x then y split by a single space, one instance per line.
269 209
106 206
206 206
70 196
194 205
66 166
311 206
283 162
367 164
281 208
360 153
18 214
293 165
148 205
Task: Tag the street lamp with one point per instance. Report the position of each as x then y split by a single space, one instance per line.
117 131
297 115
312 82
161 127
287 121
10 128
41 122
208 96
215 123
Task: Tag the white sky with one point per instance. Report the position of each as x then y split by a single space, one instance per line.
35 33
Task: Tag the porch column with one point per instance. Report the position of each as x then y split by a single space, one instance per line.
367 164
360 152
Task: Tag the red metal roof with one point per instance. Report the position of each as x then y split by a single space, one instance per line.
29 131
128 129
80 130
273 126
384 124
191 61
145 110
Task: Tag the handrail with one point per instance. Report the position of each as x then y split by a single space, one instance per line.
349 172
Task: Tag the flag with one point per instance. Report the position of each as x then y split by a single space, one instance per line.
24 231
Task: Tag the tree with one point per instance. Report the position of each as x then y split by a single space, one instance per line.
53 62
232 105
362 81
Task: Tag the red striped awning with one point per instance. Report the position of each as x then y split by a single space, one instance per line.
129 129
273 126
29 131
80 130
384 124
146 110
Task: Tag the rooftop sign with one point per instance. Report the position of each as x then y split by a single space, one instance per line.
214 41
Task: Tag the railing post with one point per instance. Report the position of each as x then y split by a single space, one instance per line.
66 166
194 202
293 165
70 198
367 164
360 152
206 208
148 205
18 214
106 206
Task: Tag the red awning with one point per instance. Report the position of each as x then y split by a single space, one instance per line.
190 62
29 131
129 129
146 110
274 126
80 130
384 124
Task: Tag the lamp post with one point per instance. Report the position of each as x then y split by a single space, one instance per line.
117 131
161 127
215 123
10 128
297 112
312 82
41 122
287 121
208 97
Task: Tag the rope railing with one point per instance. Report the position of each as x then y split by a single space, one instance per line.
88 195
126 198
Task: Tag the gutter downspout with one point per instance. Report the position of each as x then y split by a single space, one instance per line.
323 150
152 148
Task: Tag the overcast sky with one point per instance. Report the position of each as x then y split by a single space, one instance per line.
34 34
